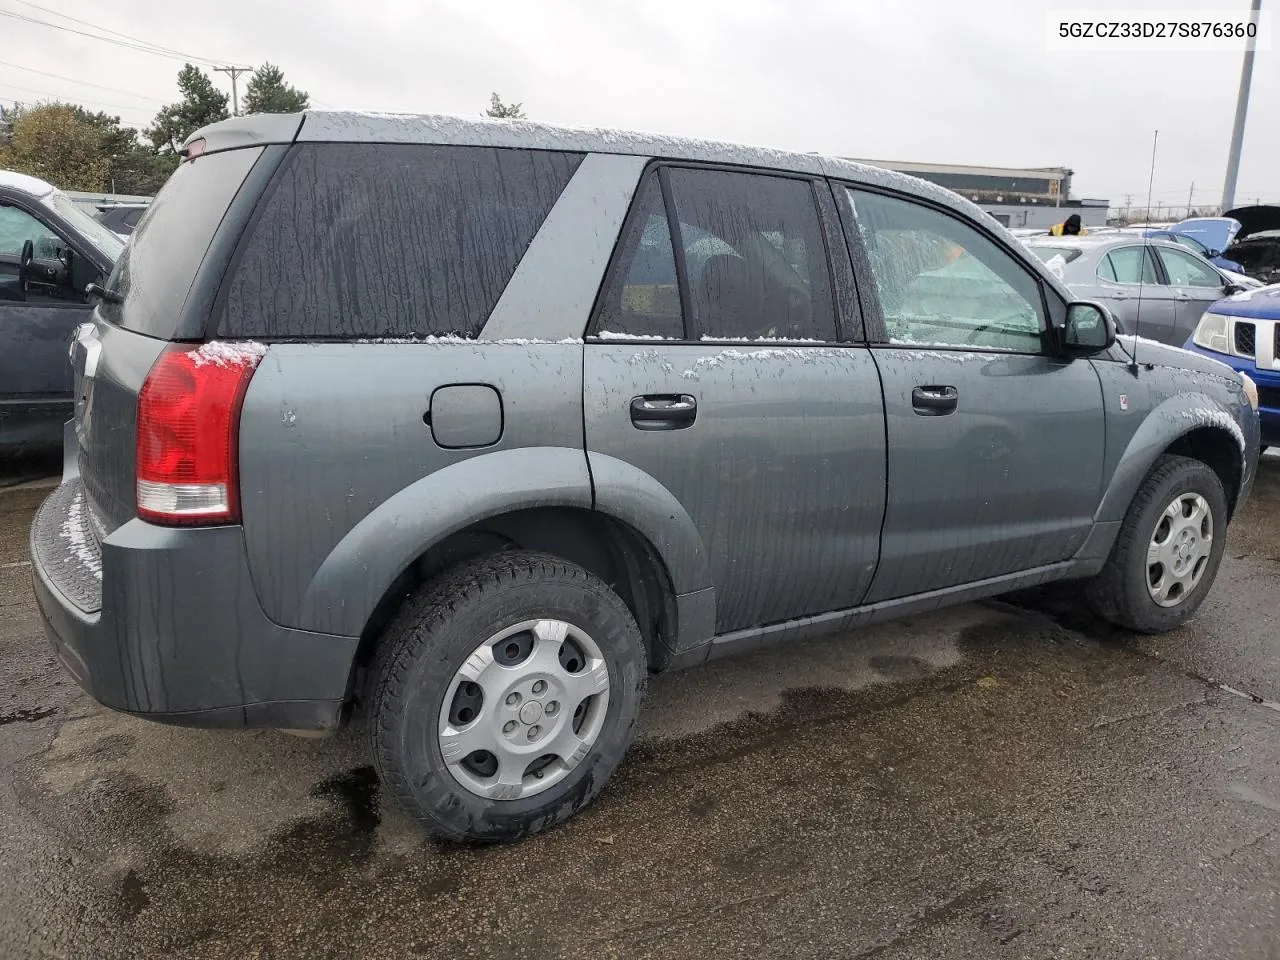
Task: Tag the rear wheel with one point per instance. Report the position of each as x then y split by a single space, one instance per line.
1168 551
505 696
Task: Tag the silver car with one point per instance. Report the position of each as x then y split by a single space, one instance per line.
1153 287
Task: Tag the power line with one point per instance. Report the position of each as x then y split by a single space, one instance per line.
159 48
83 83
102 29
141 46
92 104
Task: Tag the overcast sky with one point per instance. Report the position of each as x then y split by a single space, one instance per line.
959 81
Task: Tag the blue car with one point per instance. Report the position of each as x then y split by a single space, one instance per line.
1244 331
1207 236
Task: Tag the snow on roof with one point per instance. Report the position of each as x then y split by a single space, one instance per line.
20 181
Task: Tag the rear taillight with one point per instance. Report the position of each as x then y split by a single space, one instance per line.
188 426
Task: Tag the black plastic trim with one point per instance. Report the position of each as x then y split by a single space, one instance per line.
692 330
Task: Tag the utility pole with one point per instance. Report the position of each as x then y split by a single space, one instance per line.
233 72
1190 193
1128 199
1151 182
1242 107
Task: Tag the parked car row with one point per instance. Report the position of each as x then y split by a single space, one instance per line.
1155 288
1244 242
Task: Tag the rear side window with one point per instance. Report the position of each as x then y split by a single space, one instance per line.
388 240
1128 265
156 269
754 255
643 299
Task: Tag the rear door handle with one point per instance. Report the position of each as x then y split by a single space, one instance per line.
934 401
664 411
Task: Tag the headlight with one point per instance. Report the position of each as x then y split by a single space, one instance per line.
1250 389
1212 333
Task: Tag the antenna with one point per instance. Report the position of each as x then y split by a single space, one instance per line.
1142 269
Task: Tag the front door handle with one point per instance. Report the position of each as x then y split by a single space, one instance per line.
664 411
934 401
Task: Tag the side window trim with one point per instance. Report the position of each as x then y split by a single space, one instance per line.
877 329
692 327
850 327
1157 266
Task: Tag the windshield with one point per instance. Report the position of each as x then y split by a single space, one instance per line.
106 242
1047 253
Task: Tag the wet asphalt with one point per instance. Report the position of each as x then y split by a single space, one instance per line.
1007 779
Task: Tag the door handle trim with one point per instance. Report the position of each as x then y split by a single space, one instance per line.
663 411
934 400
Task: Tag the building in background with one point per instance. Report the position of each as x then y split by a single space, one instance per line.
1016 196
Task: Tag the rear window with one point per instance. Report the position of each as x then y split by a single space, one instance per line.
155 272
388 240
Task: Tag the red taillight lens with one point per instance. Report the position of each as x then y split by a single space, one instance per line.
188 426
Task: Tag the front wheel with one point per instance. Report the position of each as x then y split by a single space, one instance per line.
505 695
1168 551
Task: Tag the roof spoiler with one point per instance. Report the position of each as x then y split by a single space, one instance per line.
255 131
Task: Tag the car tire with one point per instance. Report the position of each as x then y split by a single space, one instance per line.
1126 591
526 610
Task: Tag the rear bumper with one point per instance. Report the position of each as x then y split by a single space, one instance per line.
165 624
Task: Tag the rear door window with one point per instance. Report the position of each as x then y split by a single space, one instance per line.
755 259
642 297
1128 265
357 240
156 269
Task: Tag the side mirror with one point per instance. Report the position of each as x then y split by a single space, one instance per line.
1230 288
1090 329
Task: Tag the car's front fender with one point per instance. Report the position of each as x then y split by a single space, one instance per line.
1173 418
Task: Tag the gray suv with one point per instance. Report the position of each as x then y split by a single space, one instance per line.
474 425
